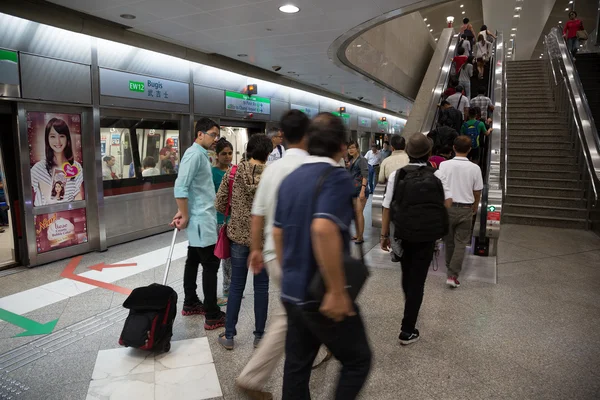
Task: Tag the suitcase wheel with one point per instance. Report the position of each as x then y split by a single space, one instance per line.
167 347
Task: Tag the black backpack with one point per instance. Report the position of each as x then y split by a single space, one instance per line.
417 208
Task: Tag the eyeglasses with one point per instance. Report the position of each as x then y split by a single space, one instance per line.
213 135
278 137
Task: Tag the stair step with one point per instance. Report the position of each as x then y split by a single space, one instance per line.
522 103
537 122
541 151
529 116
543 182
562 133
546 191
554 222
562 159
529 109
545 211
534 173
552 201
538 145
540 166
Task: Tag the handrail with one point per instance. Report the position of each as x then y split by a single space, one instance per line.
586 132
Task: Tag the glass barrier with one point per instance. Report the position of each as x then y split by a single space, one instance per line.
138 154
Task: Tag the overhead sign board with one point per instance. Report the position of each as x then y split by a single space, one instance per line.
310 112
140 87
345 117
364 122
248 104
9 74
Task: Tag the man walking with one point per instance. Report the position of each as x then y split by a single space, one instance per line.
195 196
311 232
276 136
398 159
465 181
418 198
373 158
259 369
483 102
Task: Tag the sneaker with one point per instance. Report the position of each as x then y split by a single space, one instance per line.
226 343
408 338
193 308
253 393
214 323
257 341
222 301
453 282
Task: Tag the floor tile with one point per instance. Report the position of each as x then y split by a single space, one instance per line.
129 387
194 383
122 362
185 353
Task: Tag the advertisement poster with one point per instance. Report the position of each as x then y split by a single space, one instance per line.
61 229
55 157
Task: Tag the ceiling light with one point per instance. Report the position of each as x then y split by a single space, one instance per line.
242 55
359 45
450 19
513 29
425 19
431 30
463 12
516 16
567 9
462 5
436 39
428 25
127 16
540 56
513 34
289 9
571 2
560 22
518 8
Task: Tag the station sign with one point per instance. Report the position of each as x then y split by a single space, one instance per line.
240 102
344 116
9 74
310 112
364 122
140 87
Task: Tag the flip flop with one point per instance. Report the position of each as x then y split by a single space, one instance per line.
359 241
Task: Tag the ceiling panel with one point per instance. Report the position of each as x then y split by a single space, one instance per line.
200 22
242 15
163 28
167 9
88 6
211 5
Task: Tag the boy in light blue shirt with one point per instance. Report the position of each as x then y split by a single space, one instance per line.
195 196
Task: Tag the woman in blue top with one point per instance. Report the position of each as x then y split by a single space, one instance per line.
224 151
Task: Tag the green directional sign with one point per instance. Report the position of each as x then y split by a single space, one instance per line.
31 327
136 86
344 115
250 104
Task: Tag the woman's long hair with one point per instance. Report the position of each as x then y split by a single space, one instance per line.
355 144
61 128
62 191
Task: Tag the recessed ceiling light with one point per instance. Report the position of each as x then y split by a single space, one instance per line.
567 9
560 22
571 2
242 55
359 45
289 9
127 16
436 39
517 16
428 25
425 19
431 30
513 34
518 8
513 29
540 56
463 12
462 5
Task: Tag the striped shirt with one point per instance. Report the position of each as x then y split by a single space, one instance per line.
41 183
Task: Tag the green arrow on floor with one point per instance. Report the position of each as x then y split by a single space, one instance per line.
31 327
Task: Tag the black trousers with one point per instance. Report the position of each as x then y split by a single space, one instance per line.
347 340
415 263
210 267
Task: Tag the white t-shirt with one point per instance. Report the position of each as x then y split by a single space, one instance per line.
463 177
389 192
372 158
265 198
277 154
150 172
42 180
464 102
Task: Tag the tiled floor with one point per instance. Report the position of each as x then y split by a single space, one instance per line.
534 335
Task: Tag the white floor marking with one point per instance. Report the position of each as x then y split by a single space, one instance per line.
186 372
50 293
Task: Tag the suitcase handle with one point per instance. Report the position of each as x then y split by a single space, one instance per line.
170 256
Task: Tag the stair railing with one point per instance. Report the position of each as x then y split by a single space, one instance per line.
570 100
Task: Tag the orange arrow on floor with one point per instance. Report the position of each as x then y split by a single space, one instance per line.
101 266
69 273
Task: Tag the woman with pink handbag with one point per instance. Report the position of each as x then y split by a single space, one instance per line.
239 196
224 150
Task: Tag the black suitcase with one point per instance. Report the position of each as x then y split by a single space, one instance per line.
152 311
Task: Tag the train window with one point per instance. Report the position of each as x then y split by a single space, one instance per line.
138 154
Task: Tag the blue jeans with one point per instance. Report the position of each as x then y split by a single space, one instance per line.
467 86
573 45
239 275
371 182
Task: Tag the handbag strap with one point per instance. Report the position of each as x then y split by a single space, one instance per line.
230 183
318 188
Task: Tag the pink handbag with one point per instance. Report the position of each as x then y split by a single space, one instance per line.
222 248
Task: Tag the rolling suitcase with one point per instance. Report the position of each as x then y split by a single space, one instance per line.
152 311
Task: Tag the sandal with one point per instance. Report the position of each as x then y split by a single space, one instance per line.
324 360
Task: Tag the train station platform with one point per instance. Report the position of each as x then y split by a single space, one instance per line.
534 335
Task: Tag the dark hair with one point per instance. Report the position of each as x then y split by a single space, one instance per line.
259 147
482 90
464 36
61 128
466 20
461 51
572 12
354 143
473 111
462 144
480 38
148 162
222 144
62 192
398 142
483 28
453 82
444 103
459 89
204 125
326 135
107 158
168 166
294 125
470 60
386 142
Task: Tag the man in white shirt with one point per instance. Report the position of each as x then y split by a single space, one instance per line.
398 159
259 369
466 183
276 136
417 251
373 157
459 101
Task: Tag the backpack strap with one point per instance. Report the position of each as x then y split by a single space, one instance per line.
280 151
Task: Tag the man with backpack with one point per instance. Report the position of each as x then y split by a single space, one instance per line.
416 202
473 129
450 116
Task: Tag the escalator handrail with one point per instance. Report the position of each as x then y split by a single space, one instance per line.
587 133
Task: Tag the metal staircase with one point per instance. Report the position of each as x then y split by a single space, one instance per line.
545 186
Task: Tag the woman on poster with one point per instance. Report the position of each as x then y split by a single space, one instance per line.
58 166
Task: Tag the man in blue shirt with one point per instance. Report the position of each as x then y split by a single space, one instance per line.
312 231
195 196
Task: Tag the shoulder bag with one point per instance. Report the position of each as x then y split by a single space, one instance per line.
355 270
222 248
